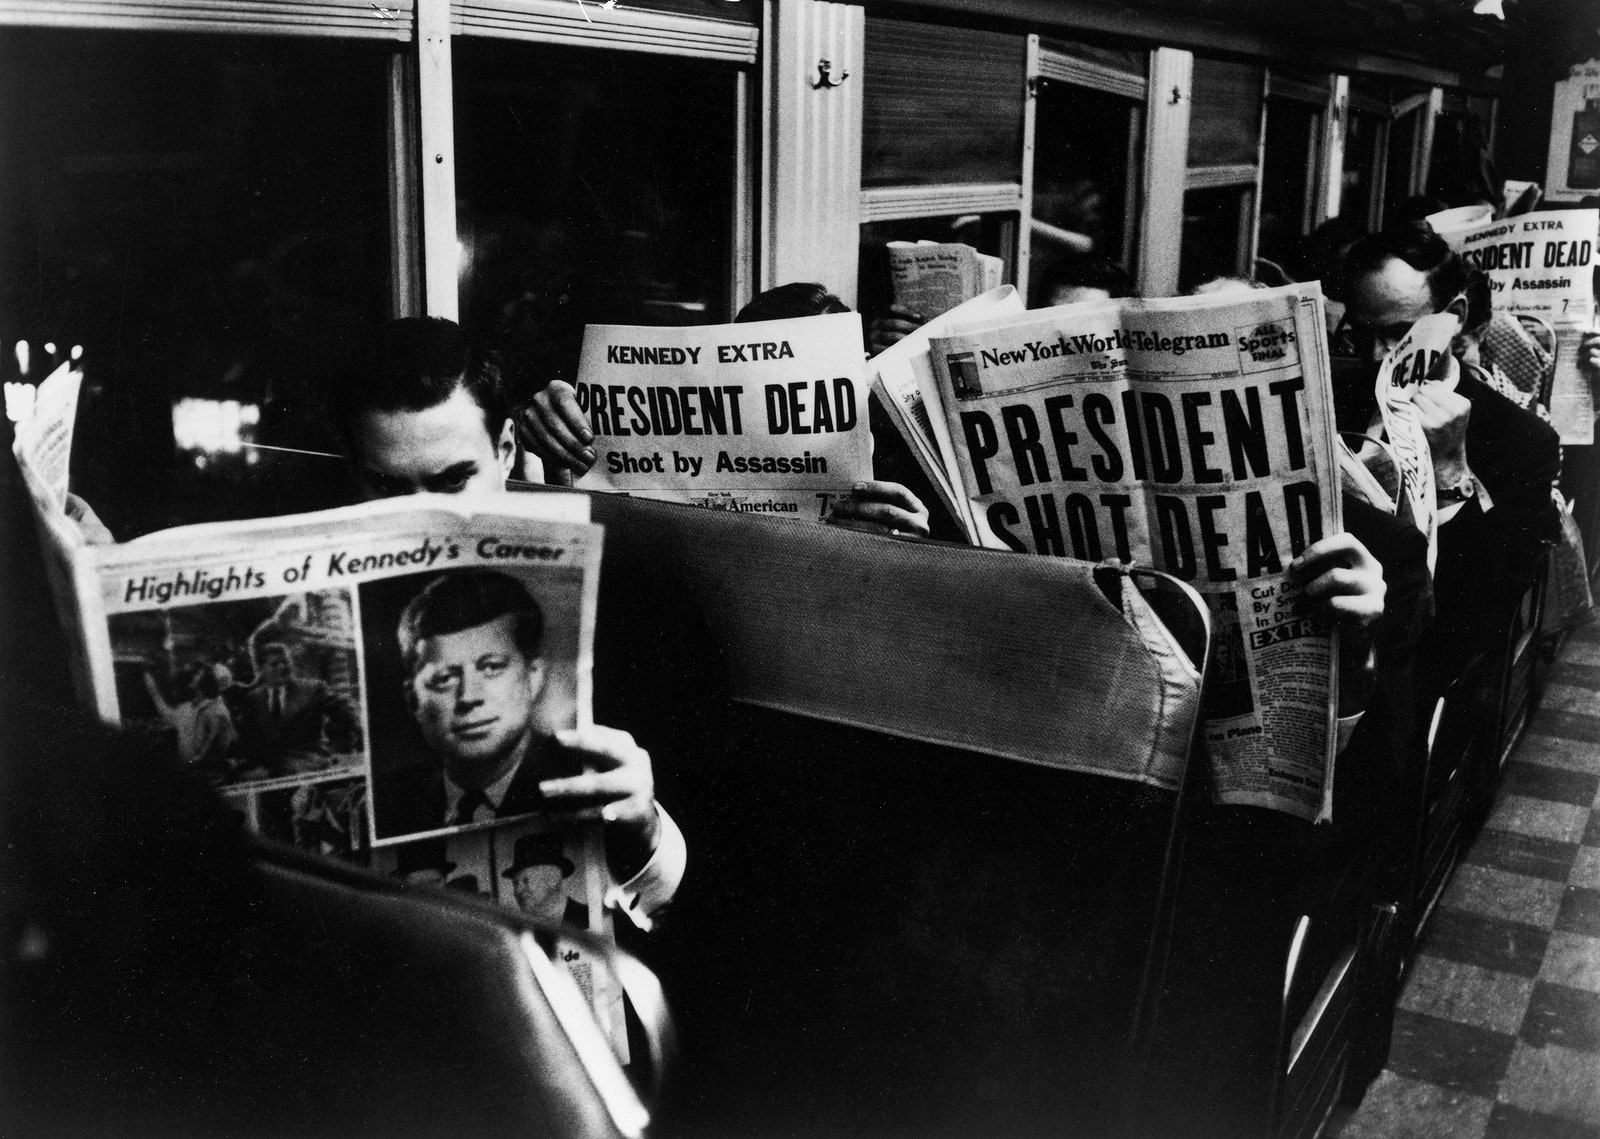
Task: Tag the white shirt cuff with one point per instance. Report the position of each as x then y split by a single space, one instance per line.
649 891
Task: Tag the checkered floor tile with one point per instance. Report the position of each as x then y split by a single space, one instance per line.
1498 1031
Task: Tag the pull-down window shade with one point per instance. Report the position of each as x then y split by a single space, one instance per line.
942 105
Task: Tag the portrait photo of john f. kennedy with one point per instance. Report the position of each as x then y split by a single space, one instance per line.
473 673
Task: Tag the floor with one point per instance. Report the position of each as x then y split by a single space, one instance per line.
1497 1035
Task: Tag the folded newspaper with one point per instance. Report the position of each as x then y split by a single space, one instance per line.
932 277
1194 435
344 679
1541 265
768 417
902 379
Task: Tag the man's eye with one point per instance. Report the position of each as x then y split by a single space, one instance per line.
493 666
440 682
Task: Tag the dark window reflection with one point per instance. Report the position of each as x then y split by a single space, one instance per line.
1361 159
1085 177
208 217
1289 178
592 187
1216 235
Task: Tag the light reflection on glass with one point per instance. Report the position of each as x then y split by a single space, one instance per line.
213 426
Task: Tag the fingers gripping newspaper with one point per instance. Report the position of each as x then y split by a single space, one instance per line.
1194 435
342 680
767 417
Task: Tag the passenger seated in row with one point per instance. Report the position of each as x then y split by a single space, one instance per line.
557 430
1495 465
422 409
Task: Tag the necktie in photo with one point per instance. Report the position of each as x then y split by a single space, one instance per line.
467 807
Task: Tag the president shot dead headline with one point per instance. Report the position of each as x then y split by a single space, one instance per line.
1193 438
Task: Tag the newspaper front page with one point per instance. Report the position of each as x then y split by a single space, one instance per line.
1543 264
1194 435
329 675
767 417
932 277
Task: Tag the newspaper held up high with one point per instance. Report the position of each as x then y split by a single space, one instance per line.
310 667
932 277
1543 265
768 417
1194 435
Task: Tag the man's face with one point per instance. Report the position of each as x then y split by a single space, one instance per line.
1384 304
538 891
275 667
445 449
474 697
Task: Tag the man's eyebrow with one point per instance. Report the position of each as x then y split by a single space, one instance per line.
452 474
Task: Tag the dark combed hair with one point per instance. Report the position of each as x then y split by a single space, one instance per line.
1087 273
798 298
1420 247
412 364
465 599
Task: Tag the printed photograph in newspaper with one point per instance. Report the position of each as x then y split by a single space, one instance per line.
327 817
473 670
262 692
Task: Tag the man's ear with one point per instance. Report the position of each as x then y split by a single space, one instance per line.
505 448
535 679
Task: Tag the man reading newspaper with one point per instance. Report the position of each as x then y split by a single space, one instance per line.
423 409
1195 435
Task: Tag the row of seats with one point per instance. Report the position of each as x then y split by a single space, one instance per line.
955 870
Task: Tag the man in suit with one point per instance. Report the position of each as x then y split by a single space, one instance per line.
538 873
472 645
1494 463
291 724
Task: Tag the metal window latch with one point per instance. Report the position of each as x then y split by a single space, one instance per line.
825 76
1177 96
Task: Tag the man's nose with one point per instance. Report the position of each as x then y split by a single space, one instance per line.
468 694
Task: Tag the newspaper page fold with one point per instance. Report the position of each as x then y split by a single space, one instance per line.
901 372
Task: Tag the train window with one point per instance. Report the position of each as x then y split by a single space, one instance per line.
941 105
1219 204
1365 152
1291 178
1088 156
1216 234
1411 113
208 216
591 186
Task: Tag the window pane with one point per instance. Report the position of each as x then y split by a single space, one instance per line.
1086 174
1363 135
1225 120
591 187
1289 176
1403 142
941 105
1216 233
208 218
